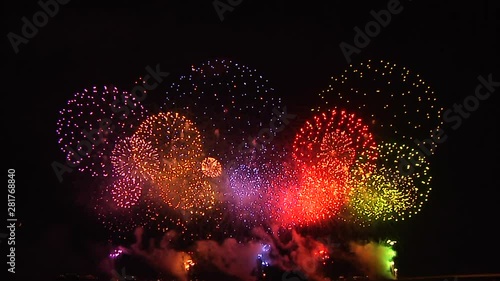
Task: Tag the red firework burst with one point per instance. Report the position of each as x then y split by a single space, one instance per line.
324 152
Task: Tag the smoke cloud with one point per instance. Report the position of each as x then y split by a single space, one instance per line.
163 258
375 259
231 257
303 254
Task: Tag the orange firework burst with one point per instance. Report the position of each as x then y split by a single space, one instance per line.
178 143
211 167
180 182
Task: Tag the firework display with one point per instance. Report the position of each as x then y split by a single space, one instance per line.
155 172
90 124
134 158
229 102
395 190
116 205
325 150
126 192
251 188
246 189
210 167
180 182
334 139
178 143
395 100
201 165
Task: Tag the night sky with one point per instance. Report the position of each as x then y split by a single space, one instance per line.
296 47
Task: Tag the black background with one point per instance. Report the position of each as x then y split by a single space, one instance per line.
295 46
